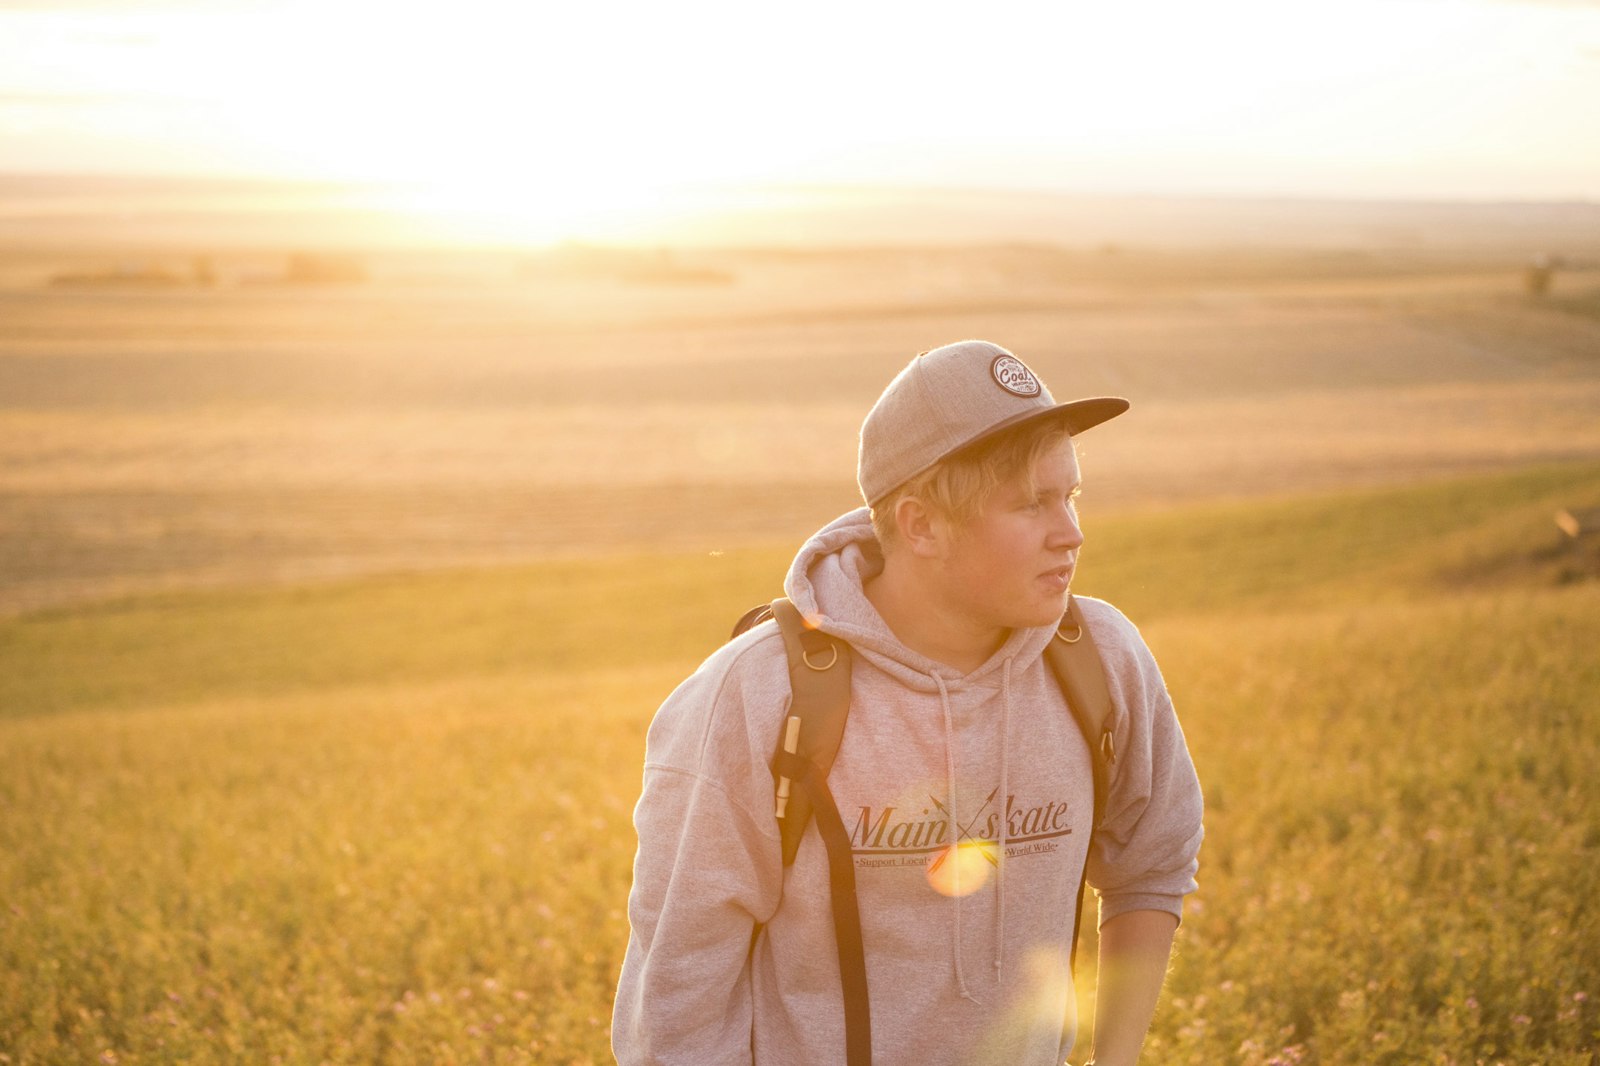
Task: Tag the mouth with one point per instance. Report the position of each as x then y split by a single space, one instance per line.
1059 578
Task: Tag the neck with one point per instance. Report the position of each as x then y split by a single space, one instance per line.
910 606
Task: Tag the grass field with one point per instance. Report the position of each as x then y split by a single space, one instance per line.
387 818
331 620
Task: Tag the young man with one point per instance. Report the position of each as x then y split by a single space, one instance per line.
964 784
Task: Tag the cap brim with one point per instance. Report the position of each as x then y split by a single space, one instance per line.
1078 415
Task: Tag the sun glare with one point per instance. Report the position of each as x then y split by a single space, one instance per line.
490 135
493 121
538 121
961 869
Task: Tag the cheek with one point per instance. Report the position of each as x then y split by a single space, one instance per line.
1018 540
994 548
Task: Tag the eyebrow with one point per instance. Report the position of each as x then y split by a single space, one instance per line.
1037 491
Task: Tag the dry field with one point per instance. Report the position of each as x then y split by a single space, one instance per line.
455 409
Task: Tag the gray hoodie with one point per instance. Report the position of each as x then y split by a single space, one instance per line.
966 946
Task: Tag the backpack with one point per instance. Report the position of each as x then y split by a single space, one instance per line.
819 677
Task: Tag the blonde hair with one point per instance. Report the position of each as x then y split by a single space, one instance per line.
959 486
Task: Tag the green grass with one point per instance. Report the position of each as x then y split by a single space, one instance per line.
595 614
1403 840
411 873
555 618
1465 534
387 820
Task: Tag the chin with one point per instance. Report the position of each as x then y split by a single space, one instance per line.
1045 615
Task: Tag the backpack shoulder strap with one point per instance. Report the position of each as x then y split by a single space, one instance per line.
819 677
1075 661
819 680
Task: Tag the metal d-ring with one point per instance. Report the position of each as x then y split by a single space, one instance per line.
1077 630
805 657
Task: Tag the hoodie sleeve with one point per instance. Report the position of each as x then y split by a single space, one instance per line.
1146 852
708 869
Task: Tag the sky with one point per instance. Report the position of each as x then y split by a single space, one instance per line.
536 107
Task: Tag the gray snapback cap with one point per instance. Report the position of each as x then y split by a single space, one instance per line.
952 397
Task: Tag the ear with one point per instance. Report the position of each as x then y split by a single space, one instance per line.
921 530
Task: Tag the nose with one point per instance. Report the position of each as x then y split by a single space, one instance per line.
1065 533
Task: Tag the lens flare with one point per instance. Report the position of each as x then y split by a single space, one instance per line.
961 869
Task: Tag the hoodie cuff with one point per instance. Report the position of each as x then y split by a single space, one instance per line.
1113 905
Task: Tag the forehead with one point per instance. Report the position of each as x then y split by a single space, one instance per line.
1056 467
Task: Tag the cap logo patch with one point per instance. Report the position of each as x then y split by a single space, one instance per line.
1010 373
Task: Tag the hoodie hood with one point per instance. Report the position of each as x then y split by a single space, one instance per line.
827 583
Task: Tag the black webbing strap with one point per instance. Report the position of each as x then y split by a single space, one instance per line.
846 911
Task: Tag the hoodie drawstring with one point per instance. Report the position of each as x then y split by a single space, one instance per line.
953 855
1005 828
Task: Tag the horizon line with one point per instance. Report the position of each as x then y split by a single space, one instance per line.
310 182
